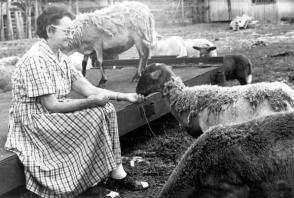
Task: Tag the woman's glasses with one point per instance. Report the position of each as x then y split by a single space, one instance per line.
67 31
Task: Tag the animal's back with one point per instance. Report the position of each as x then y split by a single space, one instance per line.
172 46
213 105
252 159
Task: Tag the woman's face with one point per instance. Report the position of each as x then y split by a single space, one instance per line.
60 37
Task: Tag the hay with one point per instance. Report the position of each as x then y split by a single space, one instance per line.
114 19
213 97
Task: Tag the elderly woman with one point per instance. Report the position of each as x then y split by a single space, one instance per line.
66 145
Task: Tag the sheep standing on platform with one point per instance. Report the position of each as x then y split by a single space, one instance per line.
200 107
114 30
238 67
200 48
171 46
249 160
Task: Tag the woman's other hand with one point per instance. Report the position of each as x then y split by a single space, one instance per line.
99 100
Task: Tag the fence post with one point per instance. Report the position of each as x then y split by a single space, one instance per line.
1 23
77 7
36 14
28 10
9 22
19 29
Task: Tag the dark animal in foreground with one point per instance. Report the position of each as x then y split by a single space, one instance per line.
200 107
254 159
238 67
113 30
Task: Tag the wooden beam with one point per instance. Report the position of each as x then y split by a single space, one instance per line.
204 61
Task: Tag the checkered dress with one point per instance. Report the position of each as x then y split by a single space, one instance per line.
63 153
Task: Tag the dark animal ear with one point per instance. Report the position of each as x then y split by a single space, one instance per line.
155 75
211 48
197 48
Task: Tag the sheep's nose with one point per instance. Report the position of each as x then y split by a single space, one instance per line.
70 35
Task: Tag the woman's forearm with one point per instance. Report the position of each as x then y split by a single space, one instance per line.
53 105
84 87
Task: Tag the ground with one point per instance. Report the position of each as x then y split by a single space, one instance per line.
161 143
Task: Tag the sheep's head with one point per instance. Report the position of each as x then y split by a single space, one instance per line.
204 51
153 78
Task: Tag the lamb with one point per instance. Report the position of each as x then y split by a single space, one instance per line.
114 29
238 67
200 107
171 46
251 159
200 48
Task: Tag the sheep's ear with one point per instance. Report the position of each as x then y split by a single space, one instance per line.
155 75
212 48
196 48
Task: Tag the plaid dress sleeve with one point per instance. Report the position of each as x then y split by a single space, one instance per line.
37 78
74 73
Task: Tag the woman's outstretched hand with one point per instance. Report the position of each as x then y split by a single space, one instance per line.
135 98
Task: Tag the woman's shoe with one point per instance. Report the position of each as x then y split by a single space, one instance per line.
101 191
127 182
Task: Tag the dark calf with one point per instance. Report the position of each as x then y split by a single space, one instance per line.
238 67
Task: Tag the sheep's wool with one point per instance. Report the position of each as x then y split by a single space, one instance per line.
113 19
213 97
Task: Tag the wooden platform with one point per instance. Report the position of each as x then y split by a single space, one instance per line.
130 116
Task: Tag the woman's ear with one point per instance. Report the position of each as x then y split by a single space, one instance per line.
50 30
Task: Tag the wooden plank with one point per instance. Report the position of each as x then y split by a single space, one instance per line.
130 116
11 172
171 61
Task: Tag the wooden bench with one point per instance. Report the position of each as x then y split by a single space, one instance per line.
130 116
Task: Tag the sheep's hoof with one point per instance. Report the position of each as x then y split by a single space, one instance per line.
102 83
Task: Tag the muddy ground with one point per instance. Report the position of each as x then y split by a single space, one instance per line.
162 142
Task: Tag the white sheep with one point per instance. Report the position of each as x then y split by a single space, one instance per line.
200 48
171 46
200 107
251 159
114 29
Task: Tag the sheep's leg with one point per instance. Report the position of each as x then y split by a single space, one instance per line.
99 61
84 64
143 51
